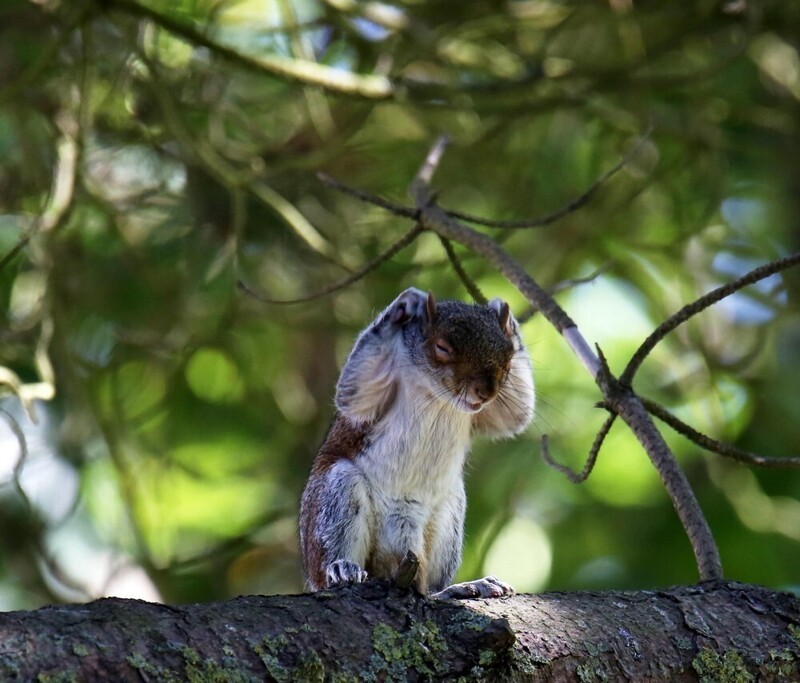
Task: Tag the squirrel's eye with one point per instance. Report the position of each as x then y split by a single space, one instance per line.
443 351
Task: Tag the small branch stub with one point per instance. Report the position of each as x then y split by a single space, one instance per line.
407 571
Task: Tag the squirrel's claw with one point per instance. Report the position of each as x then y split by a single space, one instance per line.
342 572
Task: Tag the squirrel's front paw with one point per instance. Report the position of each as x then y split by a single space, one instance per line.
409 305
487 587
342 572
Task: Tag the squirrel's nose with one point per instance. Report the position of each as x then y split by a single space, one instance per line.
485 389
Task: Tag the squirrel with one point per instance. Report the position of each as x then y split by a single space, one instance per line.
422 379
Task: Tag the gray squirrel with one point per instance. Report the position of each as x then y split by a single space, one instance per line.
422 379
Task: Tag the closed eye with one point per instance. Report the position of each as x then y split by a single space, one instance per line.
443 351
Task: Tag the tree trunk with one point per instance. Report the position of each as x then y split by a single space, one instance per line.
716 631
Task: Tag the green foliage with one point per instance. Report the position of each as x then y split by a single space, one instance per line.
153 154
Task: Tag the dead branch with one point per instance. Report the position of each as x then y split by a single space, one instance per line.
568 472
368 197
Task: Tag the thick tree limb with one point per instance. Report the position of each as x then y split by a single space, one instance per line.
375 632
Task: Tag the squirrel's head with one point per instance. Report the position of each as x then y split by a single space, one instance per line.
467 350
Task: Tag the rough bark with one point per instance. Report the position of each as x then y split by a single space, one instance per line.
719 631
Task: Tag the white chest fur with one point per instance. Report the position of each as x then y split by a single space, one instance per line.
417 450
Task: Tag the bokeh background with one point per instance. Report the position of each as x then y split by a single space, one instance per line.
154 153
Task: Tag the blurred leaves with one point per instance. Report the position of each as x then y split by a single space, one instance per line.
152 154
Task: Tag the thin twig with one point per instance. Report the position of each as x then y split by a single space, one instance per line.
701 304
715 446
583 475
401 244
474 291
368 197
569 207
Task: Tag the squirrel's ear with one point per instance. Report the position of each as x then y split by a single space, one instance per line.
505 318
430 307
503 315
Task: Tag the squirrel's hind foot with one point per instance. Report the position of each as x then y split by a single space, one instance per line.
487 587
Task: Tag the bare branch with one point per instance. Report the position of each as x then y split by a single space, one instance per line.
368 197
701 304
715 446
571 206
574 281
401 244
583 475
473 289
621 400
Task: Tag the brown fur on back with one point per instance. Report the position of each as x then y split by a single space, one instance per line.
343 441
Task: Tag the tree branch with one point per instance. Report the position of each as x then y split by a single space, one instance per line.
571 206
298 70
583 475
374 631
398 246
621 400
474 291
715 446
